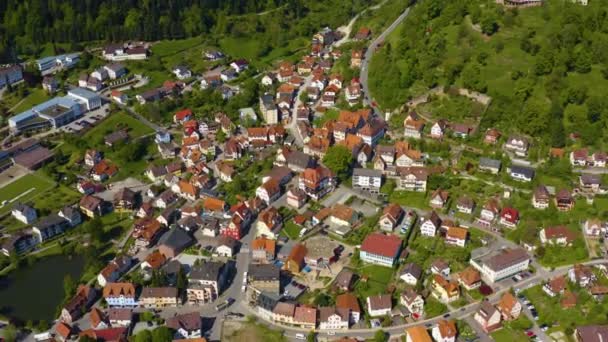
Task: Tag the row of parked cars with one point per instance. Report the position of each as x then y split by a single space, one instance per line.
543 327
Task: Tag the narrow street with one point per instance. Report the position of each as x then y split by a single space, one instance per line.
293 124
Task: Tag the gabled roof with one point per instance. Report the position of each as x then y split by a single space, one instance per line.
418 334
348 301
119 289
507 302
305 314
393 211
326 312
379 302
447 329
469 276
190 322
380 244
457 233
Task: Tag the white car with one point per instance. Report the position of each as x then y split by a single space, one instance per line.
300 336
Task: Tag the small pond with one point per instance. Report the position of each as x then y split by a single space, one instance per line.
33 292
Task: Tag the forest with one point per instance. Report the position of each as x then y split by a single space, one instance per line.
544 67
27 25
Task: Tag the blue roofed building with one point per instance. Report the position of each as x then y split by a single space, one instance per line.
55 112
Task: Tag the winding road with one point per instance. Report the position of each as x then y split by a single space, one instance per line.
371 49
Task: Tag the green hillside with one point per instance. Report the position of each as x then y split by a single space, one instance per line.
544 67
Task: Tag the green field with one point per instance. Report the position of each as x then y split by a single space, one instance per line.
26 188
116 121
35 97
291 230
513 330
378 279
587 311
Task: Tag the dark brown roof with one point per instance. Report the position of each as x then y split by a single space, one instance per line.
189 322
380 302
326 312
33 158
348 301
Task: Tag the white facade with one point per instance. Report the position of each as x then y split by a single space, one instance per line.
333 322
27 216
416 306
377 259
495 275
367 182
377 312
427 228
409 279
90 99
439 338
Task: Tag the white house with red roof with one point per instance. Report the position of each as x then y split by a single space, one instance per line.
509 217
380 249
182 116
119 97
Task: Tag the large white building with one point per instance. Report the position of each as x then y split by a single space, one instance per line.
367 180
502 264
48 65
380 249
123 52
56 112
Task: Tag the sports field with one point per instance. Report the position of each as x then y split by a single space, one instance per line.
24 189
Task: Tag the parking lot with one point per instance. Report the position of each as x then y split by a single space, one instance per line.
88 120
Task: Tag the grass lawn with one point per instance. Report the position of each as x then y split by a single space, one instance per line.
95 139
291 230
171 47
508 335
434 308
115 224
426 250
241 47
378 279
35 97
514 330
27 188
120 119
253 331
586 312
409 198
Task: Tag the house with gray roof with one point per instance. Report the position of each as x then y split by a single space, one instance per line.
521 173
368 180
174 242
50 226
490 165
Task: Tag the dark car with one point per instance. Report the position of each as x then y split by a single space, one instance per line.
338 250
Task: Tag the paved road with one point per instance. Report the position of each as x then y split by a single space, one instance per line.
367 99
293 124
460 313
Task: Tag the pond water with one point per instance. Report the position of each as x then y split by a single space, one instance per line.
34 292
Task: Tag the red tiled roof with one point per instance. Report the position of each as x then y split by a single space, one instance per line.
380 244
183 114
